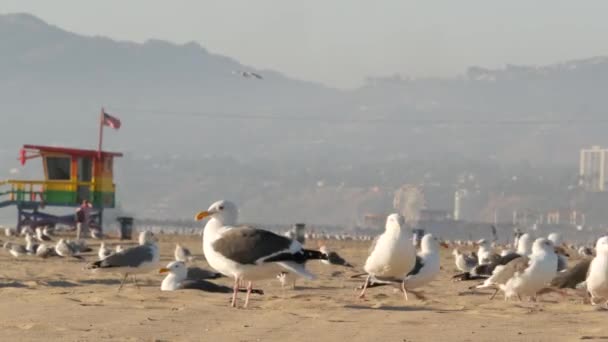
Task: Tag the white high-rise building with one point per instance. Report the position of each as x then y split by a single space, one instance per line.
593 170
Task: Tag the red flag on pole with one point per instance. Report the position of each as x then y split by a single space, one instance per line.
109 120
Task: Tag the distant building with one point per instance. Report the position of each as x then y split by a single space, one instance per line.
565 216
434 215
467 205
526 217
374 221
593 170
408 200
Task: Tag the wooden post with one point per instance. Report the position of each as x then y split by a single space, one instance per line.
100 133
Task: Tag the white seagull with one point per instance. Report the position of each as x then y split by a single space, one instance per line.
249 254
182 254
65 249
597 277
484 252
562 258
392 255
178 279
104 251
525 276
41 236
464 262
16 250
427 264
131 261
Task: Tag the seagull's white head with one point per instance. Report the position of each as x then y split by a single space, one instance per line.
484 243
430 243
524 244
543 245
177 268
602 245
556 238
223 211
146 237
394 223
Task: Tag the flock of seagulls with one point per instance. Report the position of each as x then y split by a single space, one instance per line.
527 268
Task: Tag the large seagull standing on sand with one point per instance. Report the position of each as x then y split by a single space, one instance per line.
250 254
392 255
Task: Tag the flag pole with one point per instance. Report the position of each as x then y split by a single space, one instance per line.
100 133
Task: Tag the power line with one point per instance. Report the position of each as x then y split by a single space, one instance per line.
119 110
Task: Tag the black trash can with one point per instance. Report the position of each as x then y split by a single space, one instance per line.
126 227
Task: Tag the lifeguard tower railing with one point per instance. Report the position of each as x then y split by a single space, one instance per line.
66 193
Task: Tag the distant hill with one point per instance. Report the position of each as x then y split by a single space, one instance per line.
181 102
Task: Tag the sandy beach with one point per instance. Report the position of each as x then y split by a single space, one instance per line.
57 299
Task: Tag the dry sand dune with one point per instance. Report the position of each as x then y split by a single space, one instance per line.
57 299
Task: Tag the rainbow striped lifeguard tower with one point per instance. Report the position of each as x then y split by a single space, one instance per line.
70 176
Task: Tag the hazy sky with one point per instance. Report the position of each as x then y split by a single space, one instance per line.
340 42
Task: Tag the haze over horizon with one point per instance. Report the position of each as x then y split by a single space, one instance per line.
342 42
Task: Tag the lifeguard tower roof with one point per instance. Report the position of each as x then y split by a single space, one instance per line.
71 151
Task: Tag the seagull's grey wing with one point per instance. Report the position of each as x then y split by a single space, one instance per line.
573 276
197 273
249 245
518 265
417 267
132 257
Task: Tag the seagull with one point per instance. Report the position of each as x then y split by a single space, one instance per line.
96 234
44 251
80 246
182 254
48 231
562 257
525 276
41 236
131 261
597 278
118 249
484 253
104 251
8 232
16 250
30 246
247 253
464 262
427 264
247 74
65 249
177 279
392 255
573 277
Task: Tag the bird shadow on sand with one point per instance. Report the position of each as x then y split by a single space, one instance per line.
100 282
388 308
13 284
60 283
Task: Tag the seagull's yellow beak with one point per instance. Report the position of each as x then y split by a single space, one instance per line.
201 215
163 270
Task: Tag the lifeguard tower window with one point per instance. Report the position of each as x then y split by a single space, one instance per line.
58 168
